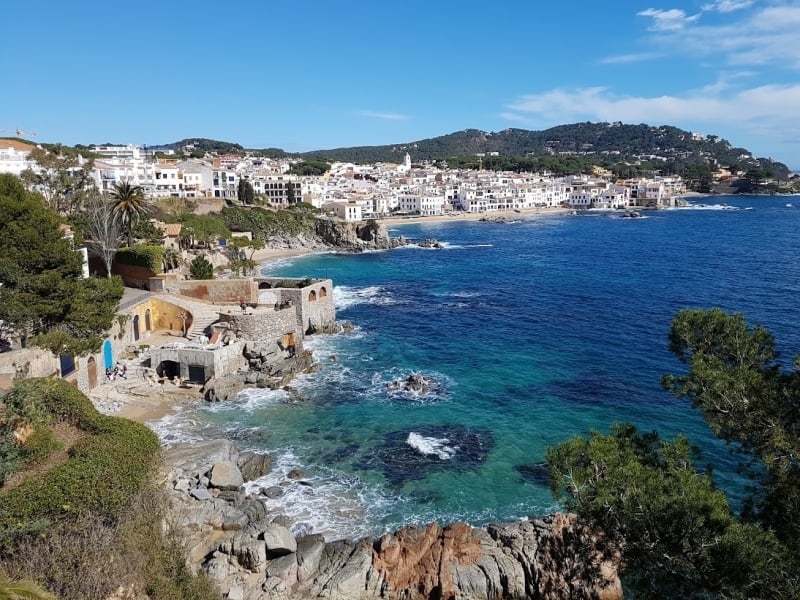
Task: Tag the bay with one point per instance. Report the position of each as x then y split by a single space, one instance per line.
532 331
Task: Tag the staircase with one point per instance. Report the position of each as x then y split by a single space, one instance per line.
202 319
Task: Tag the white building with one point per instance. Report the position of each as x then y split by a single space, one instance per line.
14 157
347 211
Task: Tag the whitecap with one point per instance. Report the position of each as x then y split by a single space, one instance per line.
345 296
431 446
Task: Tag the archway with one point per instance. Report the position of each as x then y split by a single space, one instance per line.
312 295
323 292
147 324
169 369
91 368
136 328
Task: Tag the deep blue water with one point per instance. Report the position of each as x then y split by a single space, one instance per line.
534 332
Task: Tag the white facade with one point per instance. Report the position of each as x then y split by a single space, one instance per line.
14 157
347 211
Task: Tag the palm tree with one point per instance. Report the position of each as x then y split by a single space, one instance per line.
129 203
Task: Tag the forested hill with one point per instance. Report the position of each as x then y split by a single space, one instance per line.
610 142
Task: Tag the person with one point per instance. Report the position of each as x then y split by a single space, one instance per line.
124 374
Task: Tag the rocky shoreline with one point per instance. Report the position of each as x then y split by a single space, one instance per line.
251 553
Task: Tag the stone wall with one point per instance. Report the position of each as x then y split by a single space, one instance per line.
30 362
216 291
132 275
219 361
164 316
313 303
265 325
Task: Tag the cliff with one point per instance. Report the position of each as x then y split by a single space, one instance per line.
328 234
252 554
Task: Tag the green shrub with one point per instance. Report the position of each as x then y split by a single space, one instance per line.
39 446
104 469
149 257
201 268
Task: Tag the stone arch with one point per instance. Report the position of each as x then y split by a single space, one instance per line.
312 295
264 285
136 328
91 370
323 292
148 325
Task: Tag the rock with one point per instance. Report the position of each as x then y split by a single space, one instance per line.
309 553
250 553
272 492
226 476
414 383
223 388
296 474
254 465
278 540
200 494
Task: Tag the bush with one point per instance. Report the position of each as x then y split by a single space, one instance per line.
201 268
149 257
103 472
39 446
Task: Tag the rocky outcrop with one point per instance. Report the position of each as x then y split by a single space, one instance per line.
414 383
353 237
252 554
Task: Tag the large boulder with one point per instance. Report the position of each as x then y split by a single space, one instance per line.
278 540
254 465
225 476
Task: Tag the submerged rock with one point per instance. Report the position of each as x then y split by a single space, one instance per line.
414 383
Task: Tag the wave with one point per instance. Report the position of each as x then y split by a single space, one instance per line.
345 296
431 446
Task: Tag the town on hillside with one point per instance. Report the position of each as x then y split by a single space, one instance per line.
355 192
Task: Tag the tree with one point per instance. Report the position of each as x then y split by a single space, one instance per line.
676 533
291 196
63 179
204 229
130 204
171 259
737 383
677 536
102 229
246 193
201 268
42 292
240 260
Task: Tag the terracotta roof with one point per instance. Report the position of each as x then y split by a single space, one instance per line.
170 229
16 145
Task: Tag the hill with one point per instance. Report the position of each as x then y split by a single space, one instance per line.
596 142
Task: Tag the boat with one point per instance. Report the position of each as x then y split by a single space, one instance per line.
631 215
789 205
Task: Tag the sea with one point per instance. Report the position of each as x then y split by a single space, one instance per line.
531 332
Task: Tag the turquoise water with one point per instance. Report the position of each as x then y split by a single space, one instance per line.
533 332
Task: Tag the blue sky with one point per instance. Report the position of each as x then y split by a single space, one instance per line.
314 75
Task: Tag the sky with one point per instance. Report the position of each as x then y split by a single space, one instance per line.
309 75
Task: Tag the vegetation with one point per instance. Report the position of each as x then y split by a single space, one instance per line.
677 534
246 193
43 293
570 149
311 166
129 203
101 228
149 257
102 518
201 268
265 223
62 178
202 229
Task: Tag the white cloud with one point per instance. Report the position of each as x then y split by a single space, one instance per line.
765 37
629 58
383 116
668 20
727 6
758 109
